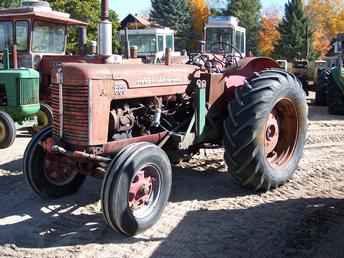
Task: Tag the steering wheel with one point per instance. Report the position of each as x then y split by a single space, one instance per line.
199 59
223 49
225 46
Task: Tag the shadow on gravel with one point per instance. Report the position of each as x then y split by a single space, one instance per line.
292 228
12 166
190 184
28 222
304 228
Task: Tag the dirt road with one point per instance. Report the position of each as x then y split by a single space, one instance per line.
208 215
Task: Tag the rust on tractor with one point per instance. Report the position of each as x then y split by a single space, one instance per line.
88 92
281 133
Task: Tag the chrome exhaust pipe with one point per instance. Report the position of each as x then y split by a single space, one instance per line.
105 31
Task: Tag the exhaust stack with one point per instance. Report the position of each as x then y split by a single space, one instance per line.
105 31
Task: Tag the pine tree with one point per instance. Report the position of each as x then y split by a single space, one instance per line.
295 40
175 14
248 13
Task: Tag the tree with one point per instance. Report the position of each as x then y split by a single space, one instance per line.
295 32
200 13
248 12
268 35
88 11
327 20
175 14
9 3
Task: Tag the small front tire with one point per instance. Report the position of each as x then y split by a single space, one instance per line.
136 188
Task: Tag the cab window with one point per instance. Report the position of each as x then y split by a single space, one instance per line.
22 35
6 35
48 38
160 43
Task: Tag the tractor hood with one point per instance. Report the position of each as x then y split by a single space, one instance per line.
135 75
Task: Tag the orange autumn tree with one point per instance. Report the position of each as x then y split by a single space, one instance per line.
200 12
327 19
268 34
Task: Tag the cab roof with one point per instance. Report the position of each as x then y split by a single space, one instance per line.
41 13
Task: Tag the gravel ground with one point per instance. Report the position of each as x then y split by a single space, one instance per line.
208 215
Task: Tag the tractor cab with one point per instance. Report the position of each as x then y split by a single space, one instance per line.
223 34
36 30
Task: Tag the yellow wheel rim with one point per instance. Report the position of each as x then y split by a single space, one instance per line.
42 119
2 131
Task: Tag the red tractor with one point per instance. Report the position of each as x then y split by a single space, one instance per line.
122 122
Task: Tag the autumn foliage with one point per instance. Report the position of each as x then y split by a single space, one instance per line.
268 35
327 19
200 12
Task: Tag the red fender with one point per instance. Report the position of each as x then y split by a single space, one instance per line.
235 77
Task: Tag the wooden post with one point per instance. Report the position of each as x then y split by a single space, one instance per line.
168 57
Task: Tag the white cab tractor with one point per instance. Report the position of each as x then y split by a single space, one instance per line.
223 34
150 43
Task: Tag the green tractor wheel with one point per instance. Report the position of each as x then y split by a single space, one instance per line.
7 130
44 118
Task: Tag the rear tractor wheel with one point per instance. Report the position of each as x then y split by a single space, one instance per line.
265 131
49 175
136 188
7 130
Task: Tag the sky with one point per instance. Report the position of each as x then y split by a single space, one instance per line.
124 7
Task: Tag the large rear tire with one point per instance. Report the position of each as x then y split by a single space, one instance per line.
265 130
49 175
136 188
7 130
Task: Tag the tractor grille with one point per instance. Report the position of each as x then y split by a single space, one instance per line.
28 91
75 129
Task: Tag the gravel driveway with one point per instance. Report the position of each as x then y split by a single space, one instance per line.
208 215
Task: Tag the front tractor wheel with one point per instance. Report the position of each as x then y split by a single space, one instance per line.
265 130
7 130
49 175
136 188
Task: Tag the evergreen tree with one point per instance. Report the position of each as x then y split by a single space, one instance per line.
248 13
175 14
295 40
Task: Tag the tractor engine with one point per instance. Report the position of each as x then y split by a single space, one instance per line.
97 107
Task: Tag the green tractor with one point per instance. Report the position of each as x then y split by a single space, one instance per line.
335 97
19 100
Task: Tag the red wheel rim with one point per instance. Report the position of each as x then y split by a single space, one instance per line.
59 170
144 190
281 133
